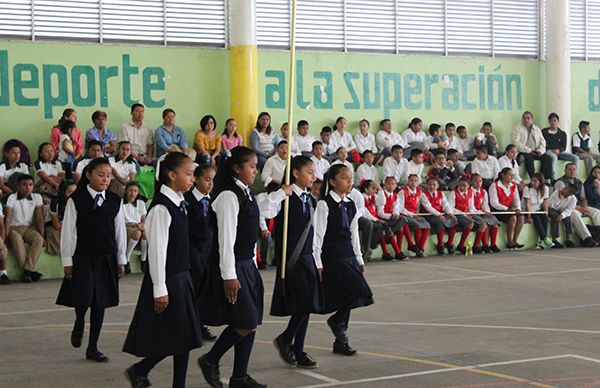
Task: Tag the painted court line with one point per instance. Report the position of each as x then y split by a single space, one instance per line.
557 256
319 376
455 268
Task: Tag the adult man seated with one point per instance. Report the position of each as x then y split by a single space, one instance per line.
530 143
139 135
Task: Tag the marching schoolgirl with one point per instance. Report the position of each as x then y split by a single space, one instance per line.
300 294
92 246
165 321
481 202
235 291
504 197
410 202
442 218
134 210
337 255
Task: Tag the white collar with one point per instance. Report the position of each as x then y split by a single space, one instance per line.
412 191
298 191
337 198
198 195
387 192
175 197
241 185
93 192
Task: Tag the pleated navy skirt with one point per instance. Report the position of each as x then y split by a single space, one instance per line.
300 292
199 269
95 283
344 284
247 311
174 331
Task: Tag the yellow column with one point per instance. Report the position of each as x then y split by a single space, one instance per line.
243 65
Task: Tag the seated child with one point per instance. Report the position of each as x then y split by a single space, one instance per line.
342 158
504 197
395 165
11 168
321 164
454 156
411 200
123 168
370 224
466 143
388 209
274 170
367 171
452 140
303 141
486 166
57 212
535 198
581 143
509 159
93 151
48 173
3 251
481 203
441 216
462 201
444 171
329 149
364 140
561 205
134 211
487 138
436 141
415 165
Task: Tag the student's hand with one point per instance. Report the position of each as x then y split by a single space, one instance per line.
320 271
287 189
265 233
362 269
231 287
121 270
161 303
517 211
68 272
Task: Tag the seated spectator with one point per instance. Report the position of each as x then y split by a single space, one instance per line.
231 138
454 157
441 218
504 197
139 135
11 168
284 133
561 205
170 137
71 115
386 138
414 136
25 224
57 212
367 170
369 223
444 171
274 170
462 203
328 146
342 158
411 200
436 140
535 199
415 165
341 138
3 251
321 164
364 140
509 159
481 201
48 173
389 210
466 149
93 151
582 146
123 168
395 165
556 144
452 140
303 141
487 138
262 138
591 188
486 166
207 142
134 211
530 143
100 133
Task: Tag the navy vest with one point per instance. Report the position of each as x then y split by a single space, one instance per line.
95 227
297 223
199 232
178 255
583 144
338 240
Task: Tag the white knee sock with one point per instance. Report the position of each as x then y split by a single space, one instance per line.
144 250
130 245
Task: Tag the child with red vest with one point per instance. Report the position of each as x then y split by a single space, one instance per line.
441 218
482 206
410 201
370 225
504 197
388 209
463 201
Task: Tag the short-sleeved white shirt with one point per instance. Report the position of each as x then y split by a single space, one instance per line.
6 172
534 197
139 138
23 209
133 212
123 168
52 169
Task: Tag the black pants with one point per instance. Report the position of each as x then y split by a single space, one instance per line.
546 160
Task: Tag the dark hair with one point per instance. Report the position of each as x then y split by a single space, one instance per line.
481 148
365 121
396 147
61 197
269 129
439 151
367 152
204 122
365 185
411 175
383 122
65 125
302 123
235 134
333 171
540 177
465 179
119 144
432 178
317 143
225 177
433 128
66 113
486 123
474 174
527 113
509 147
326 129
388 178
583 124
460 128
40 148
449 125
414 121
170 163
281 142
127 186
93 143
339 149
167 111
201 169
136 105
335 126
97 114
503 172
553 115
415 152
94 163
24 177
298 162
452 151
572 188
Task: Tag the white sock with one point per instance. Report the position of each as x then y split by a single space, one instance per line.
130 245
3 272
144 250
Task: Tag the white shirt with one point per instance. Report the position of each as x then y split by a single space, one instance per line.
380 201
452 202
488 169
396 169
274 169
576 140
133 212
269 205
364 143
565 206
320 228
342 140
321 166
535 199
485 203
51 169
227 207
81 165
23 210
329 149
123 168
465 144
429 208
359 201
68 237
62 154
347 164
302 144
504 161
431 143
410 136
413 168
6 172
139 138
364 172
495 202
385 140
455 142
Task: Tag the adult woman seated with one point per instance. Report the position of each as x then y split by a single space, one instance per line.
207 142
169 137
68 114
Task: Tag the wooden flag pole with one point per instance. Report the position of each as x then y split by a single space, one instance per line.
291 104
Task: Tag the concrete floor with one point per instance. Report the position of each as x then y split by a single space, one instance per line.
521 319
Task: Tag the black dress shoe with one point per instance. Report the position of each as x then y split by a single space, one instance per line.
450 248
343 349
4 279
401 256
306 361
338 330
414 248
127 269
210 372
26 277
440 250
207 335
96 356
569 244
76 339
35 276
495 248
387 257
285 352
245 382
136 380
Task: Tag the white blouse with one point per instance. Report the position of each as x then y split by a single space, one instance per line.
133 212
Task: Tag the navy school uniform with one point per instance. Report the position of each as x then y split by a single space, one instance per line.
336 249
200 237
233 256
97 253
301 291
176 330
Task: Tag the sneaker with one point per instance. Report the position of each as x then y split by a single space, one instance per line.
421 254
557 245
548 242
540 244
495 248
245 382
487 249
4 279
450 249
519 246
569 244
441 251
510 247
